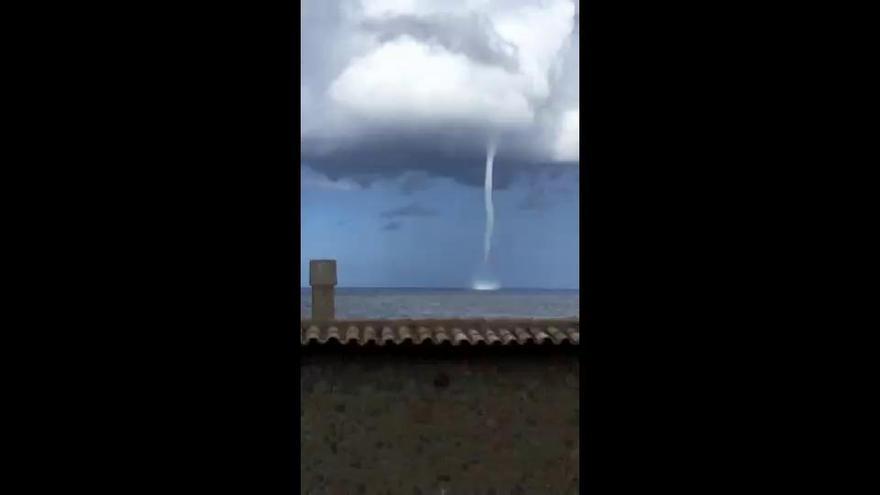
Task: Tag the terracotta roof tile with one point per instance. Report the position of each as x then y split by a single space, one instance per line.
425 334
369 334
454 332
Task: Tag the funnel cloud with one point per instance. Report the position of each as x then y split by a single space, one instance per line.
490 207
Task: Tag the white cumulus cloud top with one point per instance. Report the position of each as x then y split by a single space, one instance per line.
567 146
407 81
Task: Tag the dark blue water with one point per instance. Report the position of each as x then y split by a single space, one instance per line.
450 303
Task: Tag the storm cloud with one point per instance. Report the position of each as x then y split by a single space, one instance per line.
391 87
470 34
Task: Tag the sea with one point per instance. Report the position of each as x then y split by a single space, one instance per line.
368 303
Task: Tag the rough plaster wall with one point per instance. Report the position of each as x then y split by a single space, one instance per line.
419 425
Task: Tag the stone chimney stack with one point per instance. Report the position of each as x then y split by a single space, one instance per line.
322 278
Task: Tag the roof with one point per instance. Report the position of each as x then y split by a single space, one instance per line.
452 331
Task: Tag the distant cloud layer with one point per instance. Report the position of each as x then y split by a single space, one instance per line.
390 86
313 180
410 210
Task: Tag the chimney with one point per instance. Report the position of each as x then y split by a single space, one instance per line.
322 278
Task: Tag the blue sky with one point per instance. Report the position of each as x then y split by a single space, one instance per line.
388 235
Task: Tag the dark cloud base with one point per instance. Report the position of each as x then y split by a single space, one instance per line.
369 163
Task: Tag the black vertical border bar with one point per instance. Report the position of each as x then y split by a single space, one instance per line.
585 78
295 239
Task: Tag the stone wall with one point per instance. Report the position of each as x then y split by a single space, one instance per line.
448 421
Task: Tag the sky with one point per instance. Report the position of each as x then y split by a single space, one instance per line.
400 101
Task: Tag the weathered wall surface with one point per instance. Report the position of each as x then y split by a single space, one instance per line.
439 424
